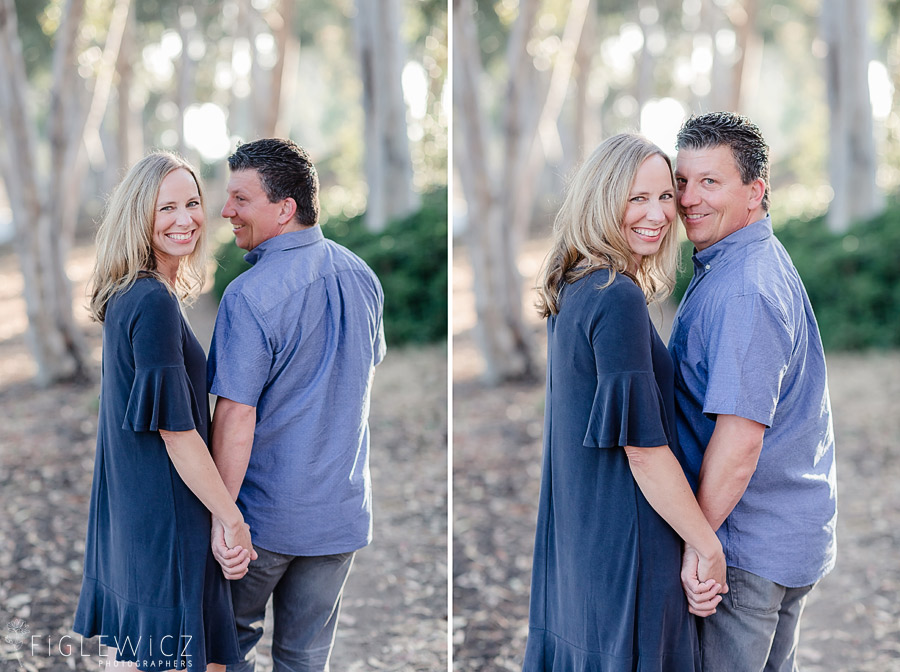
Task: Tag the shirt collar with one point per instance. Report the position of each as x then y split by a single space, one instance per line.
285 241
758 230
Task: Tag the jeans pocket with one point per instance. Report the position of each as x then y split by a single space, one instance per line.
753 593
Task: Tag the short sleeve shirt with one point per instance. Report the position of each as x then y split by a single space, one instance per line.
745 342
298 336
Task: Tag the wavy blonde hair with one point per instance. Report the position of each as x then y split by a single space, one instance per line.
587 231
124 238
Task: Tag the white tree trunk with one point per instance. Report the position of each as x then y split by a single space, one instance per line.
502 335
388 165
520 198
54 339
587 120
280 19
852 160
184 96
130 139
745 72
644 83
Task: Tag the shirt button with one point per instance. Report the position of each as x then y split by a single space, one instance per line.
707 267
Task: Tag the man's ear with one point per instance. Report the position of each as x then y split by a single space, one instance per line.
288 210
757 192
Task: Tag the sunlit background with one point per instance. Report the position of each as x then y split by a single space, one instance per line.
651 64
201 78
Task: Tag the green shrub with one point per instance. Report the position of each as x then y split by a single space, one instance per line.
853 278
409 257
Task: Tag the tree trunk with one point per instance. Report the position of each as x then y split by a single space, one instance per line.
281 22
523 188
745 72
852 160
130 129
187 21
587 124
388 165
644 84
53 337
82 142
501 333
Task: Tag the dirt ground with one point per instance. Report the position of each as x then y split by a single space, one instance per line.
396 599
852 621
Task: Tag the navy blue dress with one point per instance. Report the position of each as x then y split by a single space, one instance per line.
151 585
605 592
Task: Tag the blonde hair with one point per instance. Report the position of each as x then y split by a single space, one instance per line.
587 231
124 247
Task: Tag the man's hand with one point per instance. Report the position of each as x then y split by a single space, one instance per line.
703 596
234 561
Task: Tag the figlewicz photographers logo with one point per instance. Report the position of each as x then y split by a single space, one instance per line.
16 635
167 653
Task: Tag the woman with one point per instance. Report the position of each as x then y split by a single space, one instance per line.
151 587
606 593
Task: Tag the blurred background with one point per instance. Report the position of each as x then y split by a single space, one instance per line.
87 87
537 84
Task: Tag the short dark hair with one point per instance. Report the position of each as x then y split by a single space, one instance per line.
749 148
285 171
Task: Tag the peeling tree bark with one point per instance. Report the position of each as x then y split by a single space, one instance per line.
44 214
499 210
852 160
388 166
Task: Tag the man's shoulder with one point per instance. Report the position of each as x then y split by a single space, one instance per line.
293 272
343 258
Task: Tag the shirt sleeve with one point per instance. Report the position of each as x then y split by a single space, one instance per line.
749 349
161 395
627 406
241 353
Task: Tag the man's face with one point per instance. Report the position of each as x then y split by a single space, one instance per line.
712 200
253 218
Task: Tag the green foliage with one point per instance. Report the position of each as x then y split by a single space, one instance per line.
409 257
853 279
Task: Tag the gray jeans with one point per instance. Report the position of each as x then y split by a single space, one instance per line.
306 596
756 627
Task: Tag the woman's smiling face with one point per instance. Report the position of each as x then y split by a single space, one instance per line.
650 210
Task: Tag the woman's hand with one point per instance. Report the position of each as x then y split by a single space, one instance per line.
232 548
703 596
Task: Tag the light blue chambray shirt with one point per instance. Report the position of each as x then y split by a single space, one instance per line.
298 336
745 342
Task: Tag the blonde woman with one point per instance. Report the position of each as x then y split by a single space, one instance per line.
151 587
614 505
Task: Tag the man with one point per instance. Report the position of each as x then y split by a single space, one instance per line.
296 341
753 412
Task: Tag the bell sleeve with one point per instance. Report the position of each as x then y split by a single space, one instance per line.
161 396
628 406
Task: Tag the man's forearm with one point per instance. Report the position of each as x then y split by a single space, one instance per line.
728 465
233 426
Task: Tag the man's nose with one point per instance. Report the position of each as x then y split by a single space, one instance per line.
687 195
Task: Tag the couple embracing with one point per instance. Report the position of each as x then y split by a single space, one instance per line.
697 479
176 496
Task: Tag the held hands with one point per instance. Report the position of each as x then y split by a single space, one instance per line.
703 596
232 548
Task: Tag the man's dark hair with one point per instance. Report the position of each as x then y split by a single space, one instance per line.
285 171
750 151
